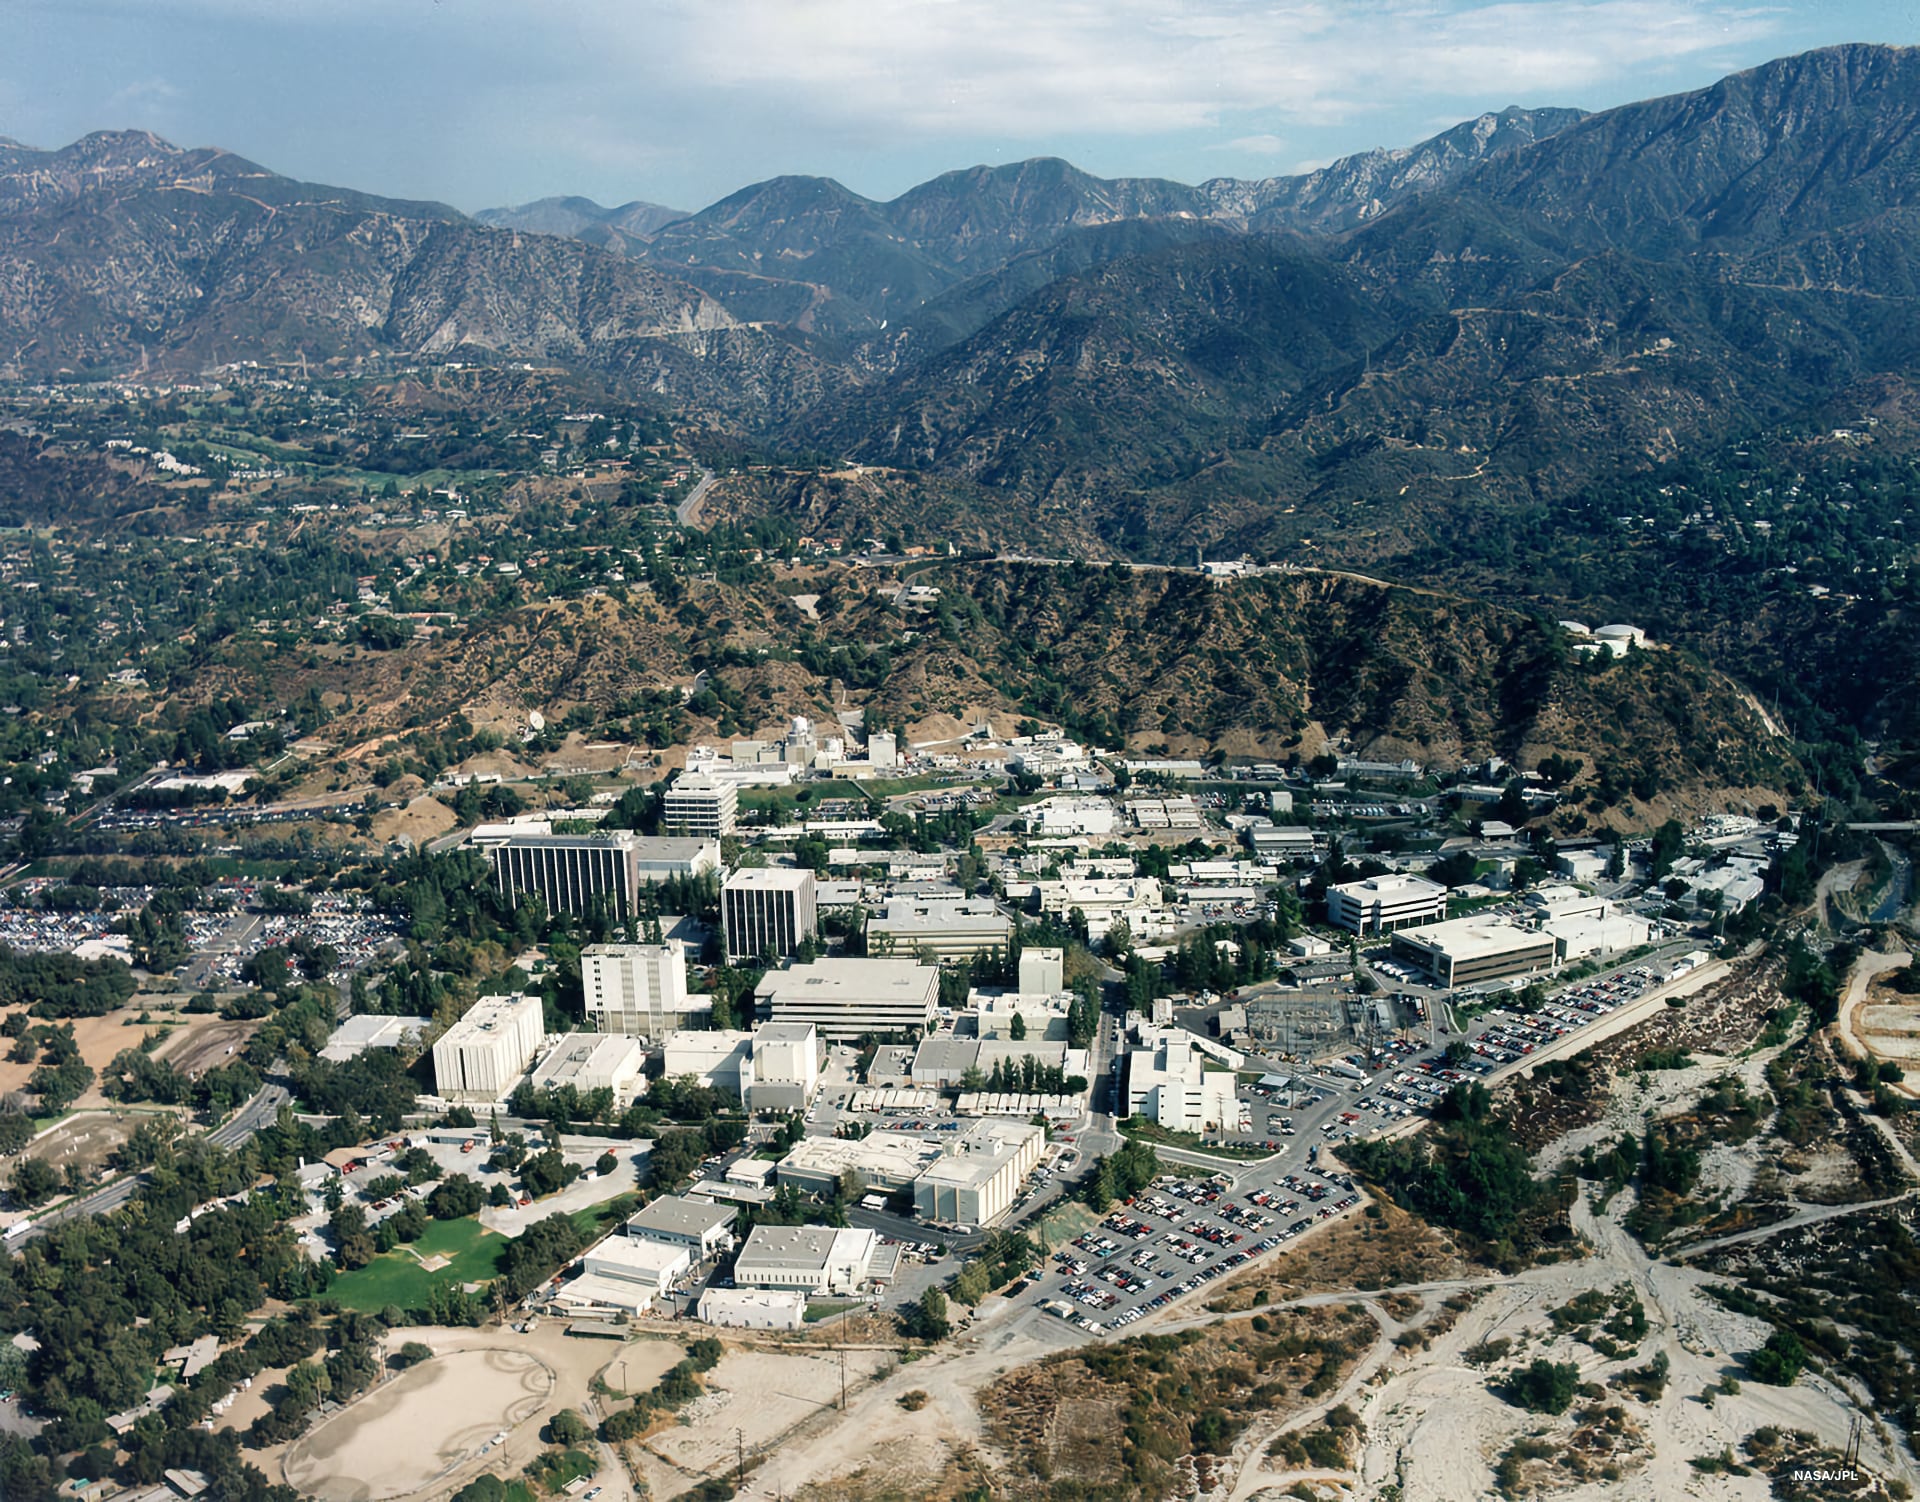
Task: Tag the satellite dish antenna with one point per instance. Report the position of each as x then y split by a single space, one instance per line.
536 720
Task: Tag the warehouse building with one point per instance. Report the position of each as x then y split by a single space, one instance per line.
626 1274
373 1030
847 999
719 1060
640 989
1381 904
940 930
700 808
814 1260
595 1061
754 1308
1468 951
703 1229
768 910
976 1181
483 1055
883 1161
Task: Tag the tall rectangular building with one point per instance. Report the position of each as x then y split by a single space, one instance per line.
572 873
482 1056
1381 904
768 910
639 989
700 808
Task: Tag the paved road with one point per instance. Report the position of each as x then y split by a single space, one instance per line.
687 512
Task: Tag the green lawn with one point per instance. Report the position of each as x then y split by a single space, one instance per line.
1062 1223
396 1277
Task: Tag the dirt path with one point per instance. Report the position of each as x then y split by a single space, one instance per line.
1872 964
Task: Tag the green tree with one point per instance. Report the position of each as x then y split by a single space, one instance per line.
1780 1361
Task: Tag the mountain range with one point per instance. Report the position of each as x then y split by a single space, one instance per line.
1526 302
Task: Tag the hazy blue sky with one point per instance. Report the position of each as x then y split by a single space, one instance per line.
483 102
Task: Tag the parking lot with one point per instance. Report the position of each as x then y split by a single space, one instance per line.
1177 1236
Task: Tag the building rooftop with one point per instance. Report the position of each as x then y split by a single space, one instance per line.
579 1056
769 878
788 1248
649 1258
370 1030
490 1014
783 1032
1468 938
1394 884
861 979
674 1216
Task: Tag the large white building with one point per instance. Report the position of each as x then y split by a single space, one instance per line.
1169 1081
768 910
939 928
882 1160
483 1055
719 1060
1102 900
1470 950
811 1259
1042 971
700 808
595 1061
640 989
754 1308
785 1067
847 999
1066 818
573 873
1380 904
703 1229
976 1181
626 1274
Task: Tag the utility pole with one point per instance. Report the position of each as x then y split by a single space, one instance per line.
740 1459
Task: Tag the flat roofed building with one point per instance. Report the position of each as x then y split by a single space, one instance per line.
1381 904
984 1166
1605 933
786 1066
482 1056
1470 950
700 808
1168 1081
754 1308
1042 971
702 1228
595 1061
813 1259
575 873
369 1030
768 910
640 989
626 1274
939 930
847 999
883 1161
718 1060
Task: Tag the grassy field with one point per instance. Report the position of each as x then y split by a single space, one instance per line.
1062 1223
396 1277
789 799
1159 1136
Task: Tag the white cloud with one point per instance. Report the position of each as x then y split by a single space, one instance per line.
1140 67
1263 145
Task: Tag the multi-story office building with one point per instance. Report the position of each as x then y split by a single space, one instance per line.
639 989
573 873
847 999
768 910
939 929
700 808
1381 904
482 1056
1469 950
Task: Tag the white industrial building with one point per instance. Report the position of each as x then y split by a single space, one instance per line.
813 1259
1470 950
640 989
626 1274
1381 904
1168 1080
785 1067
483 1055
373 1030
1273 844
700 808
768 910
595 1061
1102 900
939 928
883 1161
1042 971
754 1308
1065 818
703 1229
977 1179
719 1060
847 999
